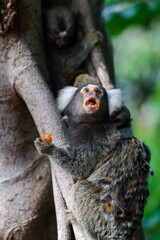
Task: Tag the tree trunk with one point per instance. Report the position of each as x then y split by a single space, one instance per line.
26 202
27 105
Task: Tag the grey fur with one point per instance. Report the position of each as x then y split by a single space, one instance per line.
109 164
115 100
65 96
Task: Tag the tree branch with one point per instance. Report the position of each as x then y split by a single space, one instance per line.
30 84
97 58
63 228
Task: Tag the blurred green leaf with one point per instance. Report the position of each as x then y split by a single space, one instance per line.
141 13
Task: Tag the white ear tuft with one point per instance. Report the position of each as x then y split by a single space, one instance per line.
115 100
65 96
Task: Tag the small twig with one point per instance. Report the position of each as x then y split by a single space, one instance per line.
67 195
63 228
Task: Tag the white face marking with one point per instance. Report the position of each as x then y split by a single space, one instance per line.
115 100
92 87
65 96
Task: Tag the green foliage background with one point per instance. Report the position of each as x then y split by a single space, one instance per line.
134 27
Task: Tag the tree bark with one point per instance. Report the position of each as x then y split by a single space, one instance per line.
26 202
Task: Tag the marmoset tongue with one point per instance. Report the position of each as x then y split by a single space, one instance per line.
91 104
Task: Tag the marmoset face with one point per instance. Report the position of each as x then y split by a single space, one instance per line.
89 104
60 22
92 95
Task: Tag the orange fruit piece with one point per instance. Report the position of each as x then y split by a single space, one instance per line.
47 137
96 105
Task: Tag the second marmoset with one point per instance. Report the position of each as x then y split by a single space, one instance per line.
64 52
111 165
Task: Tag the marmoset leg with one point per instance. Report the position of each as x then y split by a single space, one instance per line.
87 211
81 51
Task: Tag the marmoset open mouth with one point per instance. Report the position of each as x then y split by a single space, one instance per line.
92 102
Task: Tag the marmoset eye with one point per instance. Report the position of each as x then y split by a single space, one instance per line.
85 90
98 91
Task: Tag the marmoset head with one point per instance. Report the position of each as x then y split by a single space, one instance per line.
60 25
89 102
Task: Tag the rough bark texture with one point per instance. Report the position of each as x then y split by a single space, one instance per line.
26 202
27 105
8 11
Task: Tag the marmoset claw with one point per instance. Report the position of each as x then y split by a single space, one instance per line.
94 37
42 147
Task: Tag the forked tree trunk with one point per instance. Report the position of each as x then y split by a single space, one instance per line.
27 105
26 202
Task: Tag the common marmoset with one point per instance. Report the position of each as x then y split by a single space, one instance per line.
111 166
64 52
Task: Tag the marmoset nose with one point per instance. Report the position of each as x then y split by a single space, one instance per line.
63 34
92 93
